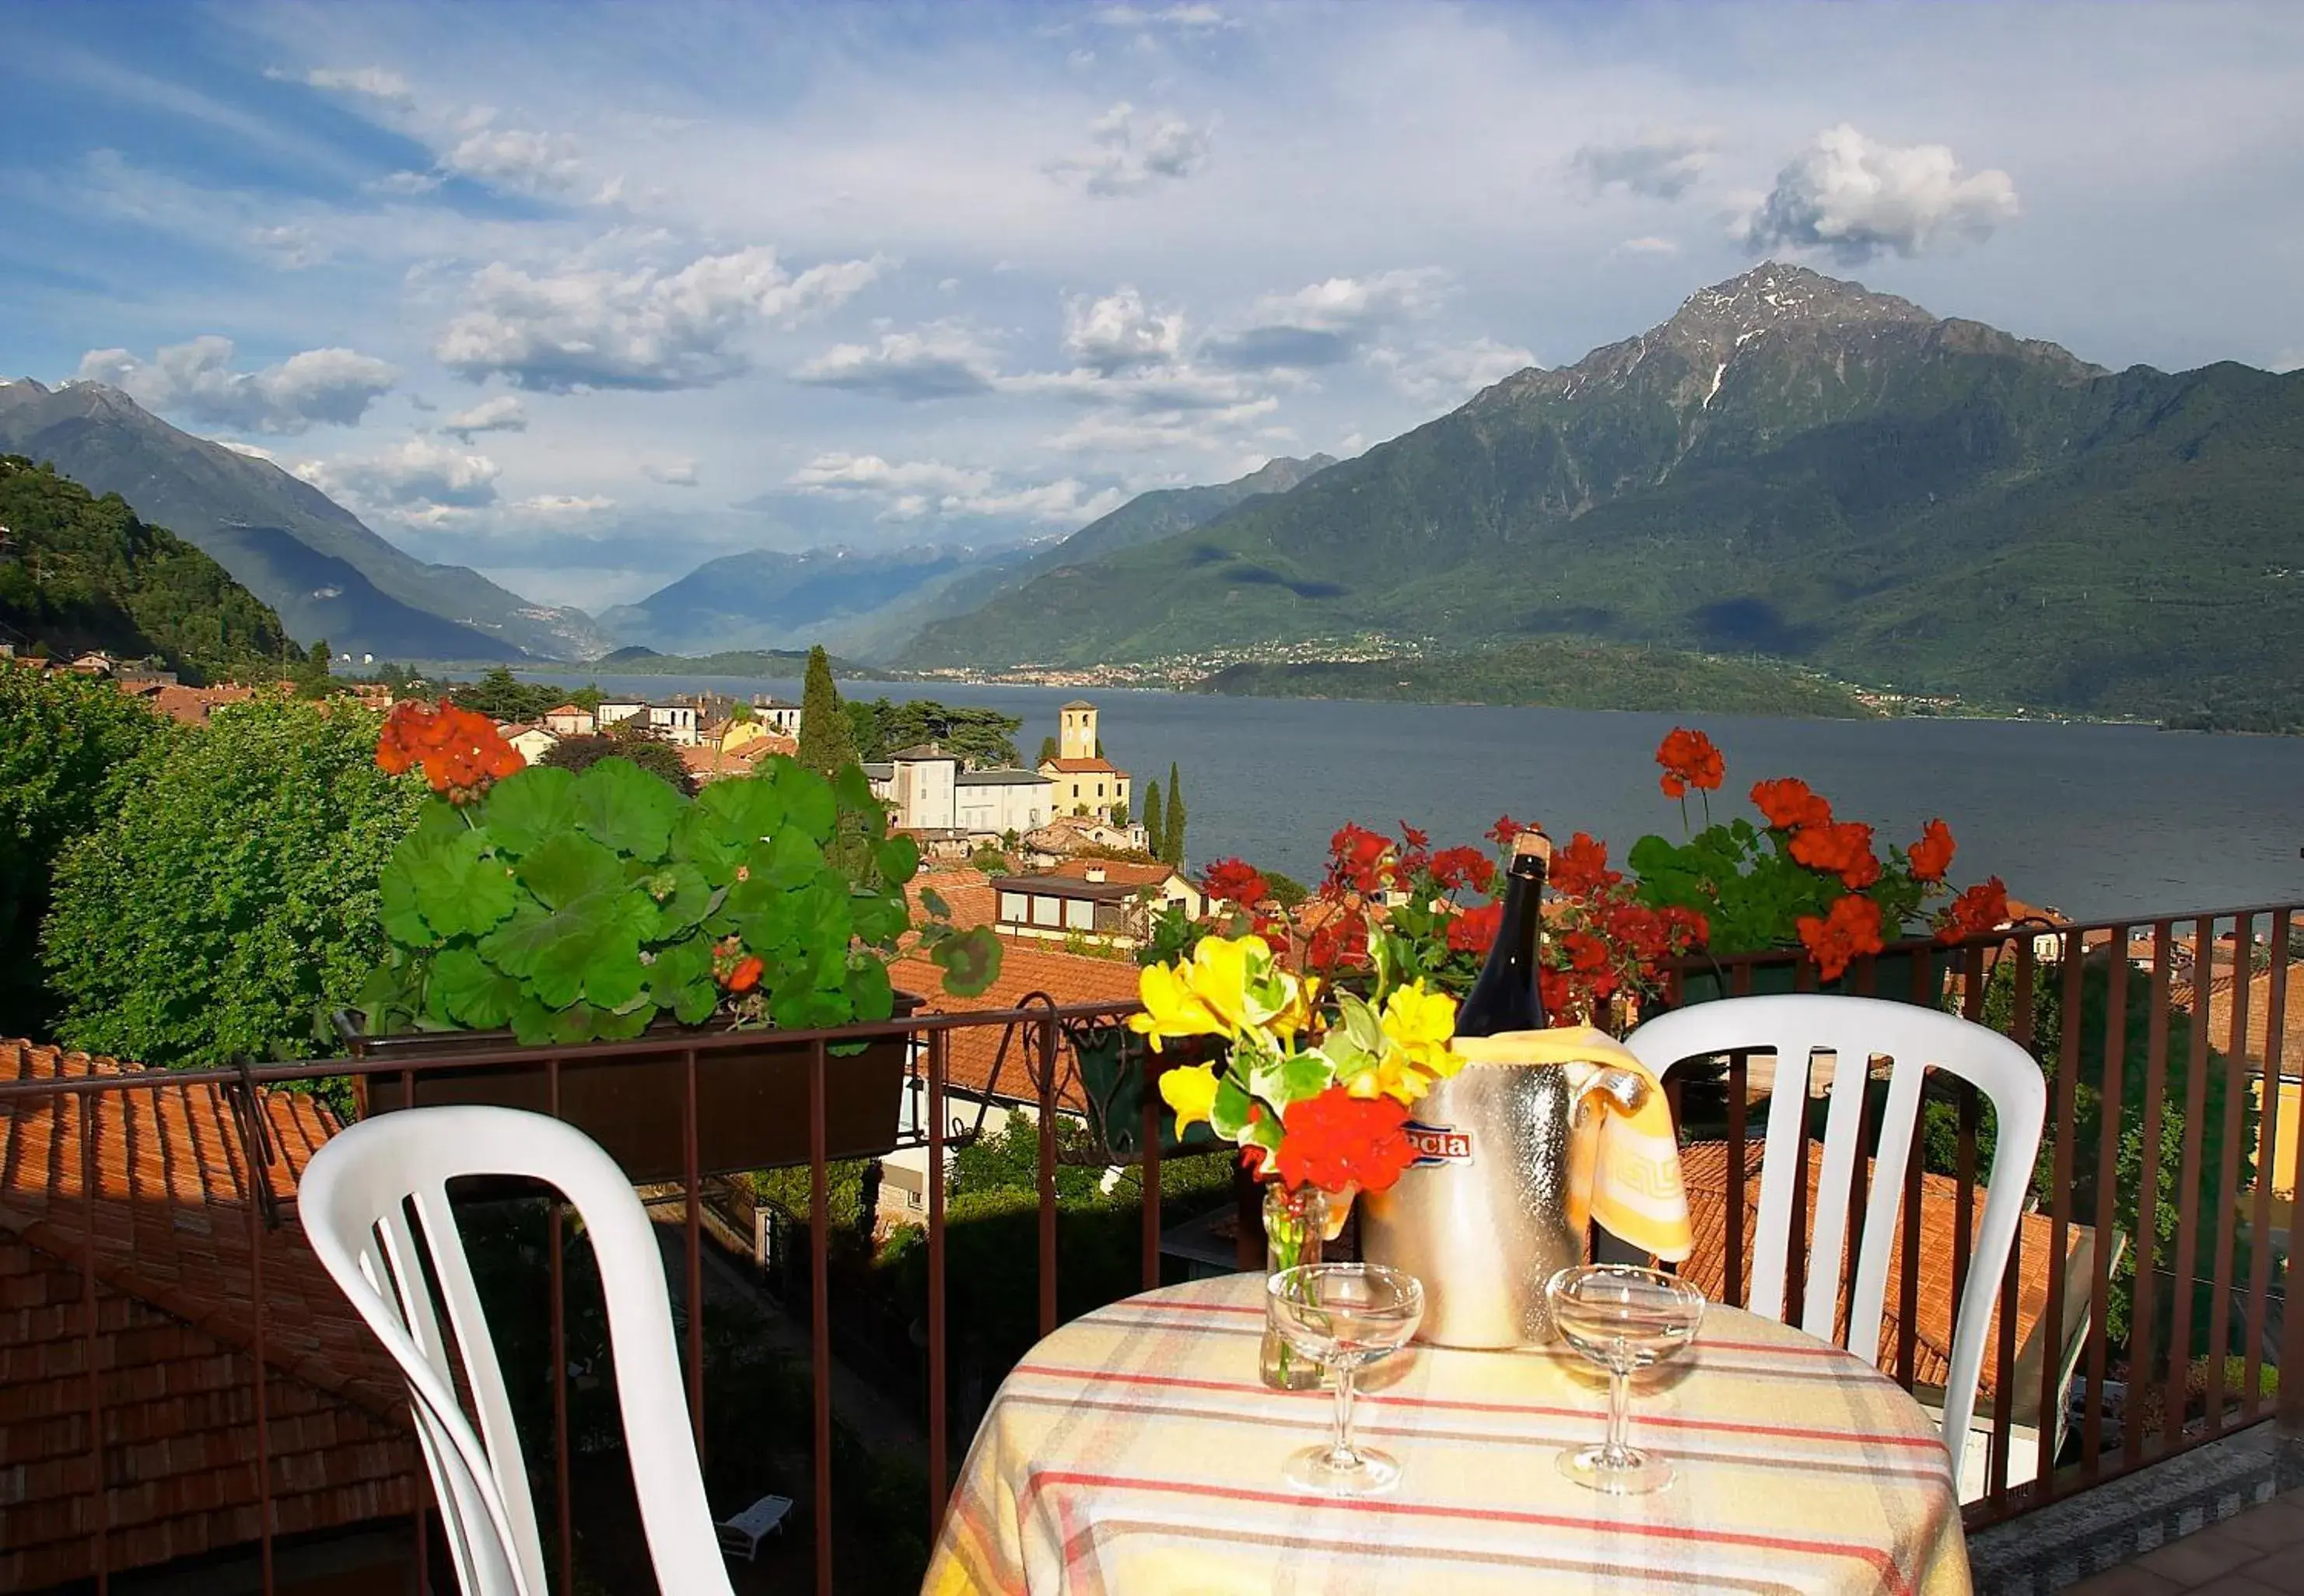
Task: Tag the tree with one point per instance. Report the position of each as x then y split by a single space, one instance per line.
622 740
1120 813
501 695
824 743
230 900
1172 831
1049 748
63 742
1155 818
867 730
311 675
586 698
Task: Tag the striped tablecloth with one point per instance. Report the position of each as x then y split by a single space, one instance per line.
1135 1453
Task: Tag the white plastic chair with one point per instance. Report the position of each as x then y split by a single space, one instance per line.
1856 1030
355 1203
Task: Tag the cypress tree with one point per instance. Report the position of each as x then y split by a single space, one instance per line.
1048 748
826 743
1172 833
1155 842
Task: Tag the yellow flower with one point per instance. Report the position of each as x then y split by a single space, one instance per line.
1191 1092
1392 1075
1172 1008
1418 1024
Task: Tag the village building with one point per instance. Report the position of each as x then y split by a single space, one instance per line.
674 723
1104 902
1082 781
568 721
780 715
534 742
929 792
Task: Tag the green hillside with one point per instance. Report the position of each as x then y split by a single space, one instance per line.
79 573
1559 674
1793 467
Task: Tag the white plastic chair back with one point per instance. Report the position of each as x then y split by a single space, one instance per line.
1855 1031
374 1203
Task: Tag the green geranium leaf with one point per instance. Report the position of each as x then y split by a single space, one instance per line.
694 1003
531 1022
899 859
879 917
472 992
744 811
403 922
622 806
583 914
614 977
529 805
852 791
869 993
682 897
793 860
933 901
806 1008
623 1023
970 959
808 803
460 889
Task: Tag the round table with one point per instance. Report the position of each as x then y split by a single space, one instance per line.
1135 1452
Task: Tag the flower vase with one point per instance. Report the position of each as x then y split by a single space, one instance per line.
1295 1225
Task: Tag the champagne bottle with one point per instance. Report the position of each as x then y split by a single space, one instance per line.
1506 996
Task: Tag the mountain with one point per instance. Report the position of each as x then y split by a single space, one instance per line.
311 559
1144 518
767 598
1793 466
78 572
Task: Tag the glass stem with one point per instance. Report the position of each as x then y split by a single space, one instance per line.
1618 1452
1342 1455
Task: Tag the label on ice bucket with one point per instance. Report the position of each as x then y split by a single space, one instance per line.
1438 1144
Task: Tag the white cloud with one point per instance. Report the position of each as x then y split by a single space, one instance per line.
1118 332
586 327
941 360
1449 373
1328 322
373 82
1188 18
671 473
517 158
1661 166
503 413
913 490
291 246
1134 151
1650 245
407 185
1209 431
419 480
196 379
1855 198
562 506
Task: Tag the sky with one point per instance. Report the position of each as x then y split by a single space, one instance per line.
583 295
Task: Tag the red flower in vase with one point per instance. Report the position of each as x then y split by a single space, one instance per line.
1335 1140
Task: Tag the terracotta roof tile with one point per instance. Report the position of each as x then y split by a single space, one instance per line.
995 1061
1118 871
1703 1168
175 1328
1082 767
967 893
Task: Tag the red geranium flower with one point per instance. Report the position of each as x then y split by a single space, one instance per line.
1463 868
1931 855
746 975
460 750
1789 804
1843 849
1581 868
1981 909
1335 1140
1235 881
1688 760
1474 931
1558 993
1356 858
1339 940
1851 928
1505 829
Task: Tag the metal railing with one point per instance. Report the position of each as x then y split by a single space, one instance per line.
2201 1302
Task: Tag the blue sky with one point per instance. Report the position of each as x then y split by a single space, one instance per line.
584 295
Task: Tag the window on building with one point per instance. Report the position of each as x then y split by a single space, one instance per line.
1080 915
1047 911
1099 789
1013 909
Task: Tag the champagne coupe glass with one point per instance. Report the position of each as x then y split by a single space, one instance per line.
1346 1316
1622 1317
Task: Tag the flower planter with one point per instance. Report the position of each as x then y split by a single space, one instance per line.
1117 1068
751 1099
1891 979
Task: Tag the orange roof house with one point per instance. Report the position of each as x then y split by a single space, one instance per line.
978 1063
169 1236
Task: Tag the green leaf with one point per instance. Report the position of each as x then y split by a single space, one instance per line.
682 897
473 992
970 959
933 901
1360 1023
869 991
694 1003
622 807
403 922
530 805
899 859
614 976
852 791
460 889
808 803
744 811
1281 1081
793 860
879 917
623 1022
697 840
583 914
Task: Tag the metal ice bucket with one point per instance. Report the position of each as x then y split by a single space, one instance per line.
1482 1217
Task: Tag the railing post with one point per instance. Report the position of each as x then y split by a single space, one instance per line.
820 1316
939 1462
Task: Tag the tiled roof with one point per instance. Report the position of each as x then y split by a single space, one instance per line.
967 893
924 751
567 709
1082 767
194 706
177 1326
708 759
1079 703
977 1061
1703 1168
1121 871
1000 778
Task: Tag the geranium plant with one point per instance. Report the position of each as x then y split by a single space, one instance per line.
574 907
1804 877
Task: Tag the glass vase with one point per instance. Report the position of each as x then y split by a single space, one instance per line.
1294 1225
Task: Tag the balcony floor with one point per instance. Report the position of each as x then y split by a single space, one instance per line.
2226 1519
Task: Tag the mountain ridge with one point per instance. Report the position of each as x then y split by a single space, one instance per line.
323 571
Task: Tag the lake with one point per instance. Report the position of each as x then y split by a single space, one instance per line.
2097 821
